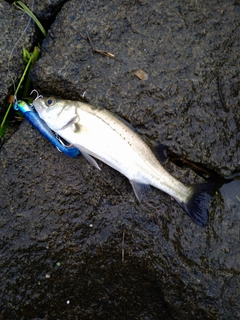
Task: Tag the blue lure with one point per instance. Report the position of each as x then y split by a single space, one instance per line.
43 128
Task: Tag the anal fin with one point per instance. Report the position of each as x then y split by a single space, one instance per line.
139 189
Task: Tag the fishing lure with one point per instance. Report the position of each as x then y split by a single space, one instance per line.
43 128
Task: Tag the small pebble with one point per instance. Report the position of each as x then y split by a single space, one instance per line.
141 75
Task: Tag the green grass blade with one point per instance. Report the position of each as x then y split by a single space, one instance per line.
34 57
15 93
3 127
24 8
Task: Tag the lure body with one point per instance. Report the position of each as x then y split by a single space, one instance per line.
43 128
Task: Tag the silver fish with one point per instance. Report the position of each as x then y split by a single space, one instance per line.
98 133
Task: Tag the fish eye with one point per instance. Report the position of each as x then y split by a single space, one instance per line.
50 101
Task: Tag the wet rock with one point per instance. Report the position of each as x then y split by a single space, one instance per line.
62 238
45 9
12 22
74 241
184 49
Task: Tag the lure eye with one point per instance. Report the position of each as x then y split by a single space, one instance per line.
50 101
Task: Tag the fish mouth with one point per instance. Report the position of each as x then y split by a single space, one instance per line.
39 107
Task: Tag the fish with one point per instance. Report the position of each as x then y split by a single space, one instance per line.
100 134
33 117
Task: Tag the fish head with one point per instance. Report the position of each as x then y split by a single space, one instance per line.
57 113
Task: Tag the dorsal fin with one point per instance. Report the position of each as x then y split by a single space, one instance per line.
128 124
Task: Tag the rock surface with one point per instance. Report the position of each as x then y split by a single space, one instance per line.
66 227
45 10
183 48
12 25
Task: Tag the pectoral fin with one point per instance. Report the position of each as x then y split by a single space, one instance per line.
139 189
70 122
90 159
62 124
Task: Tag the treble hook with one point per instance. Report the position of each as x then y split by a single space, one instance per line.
38 95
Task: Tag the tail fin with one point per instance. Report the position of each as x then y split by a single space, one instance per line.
196 207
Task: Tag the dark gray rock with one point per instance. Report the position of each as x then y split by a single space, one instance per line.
61 237
45 9
12 24
62 221
182 47
56 209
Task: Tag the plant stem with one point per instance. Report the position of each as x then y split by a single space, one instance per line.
29 66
